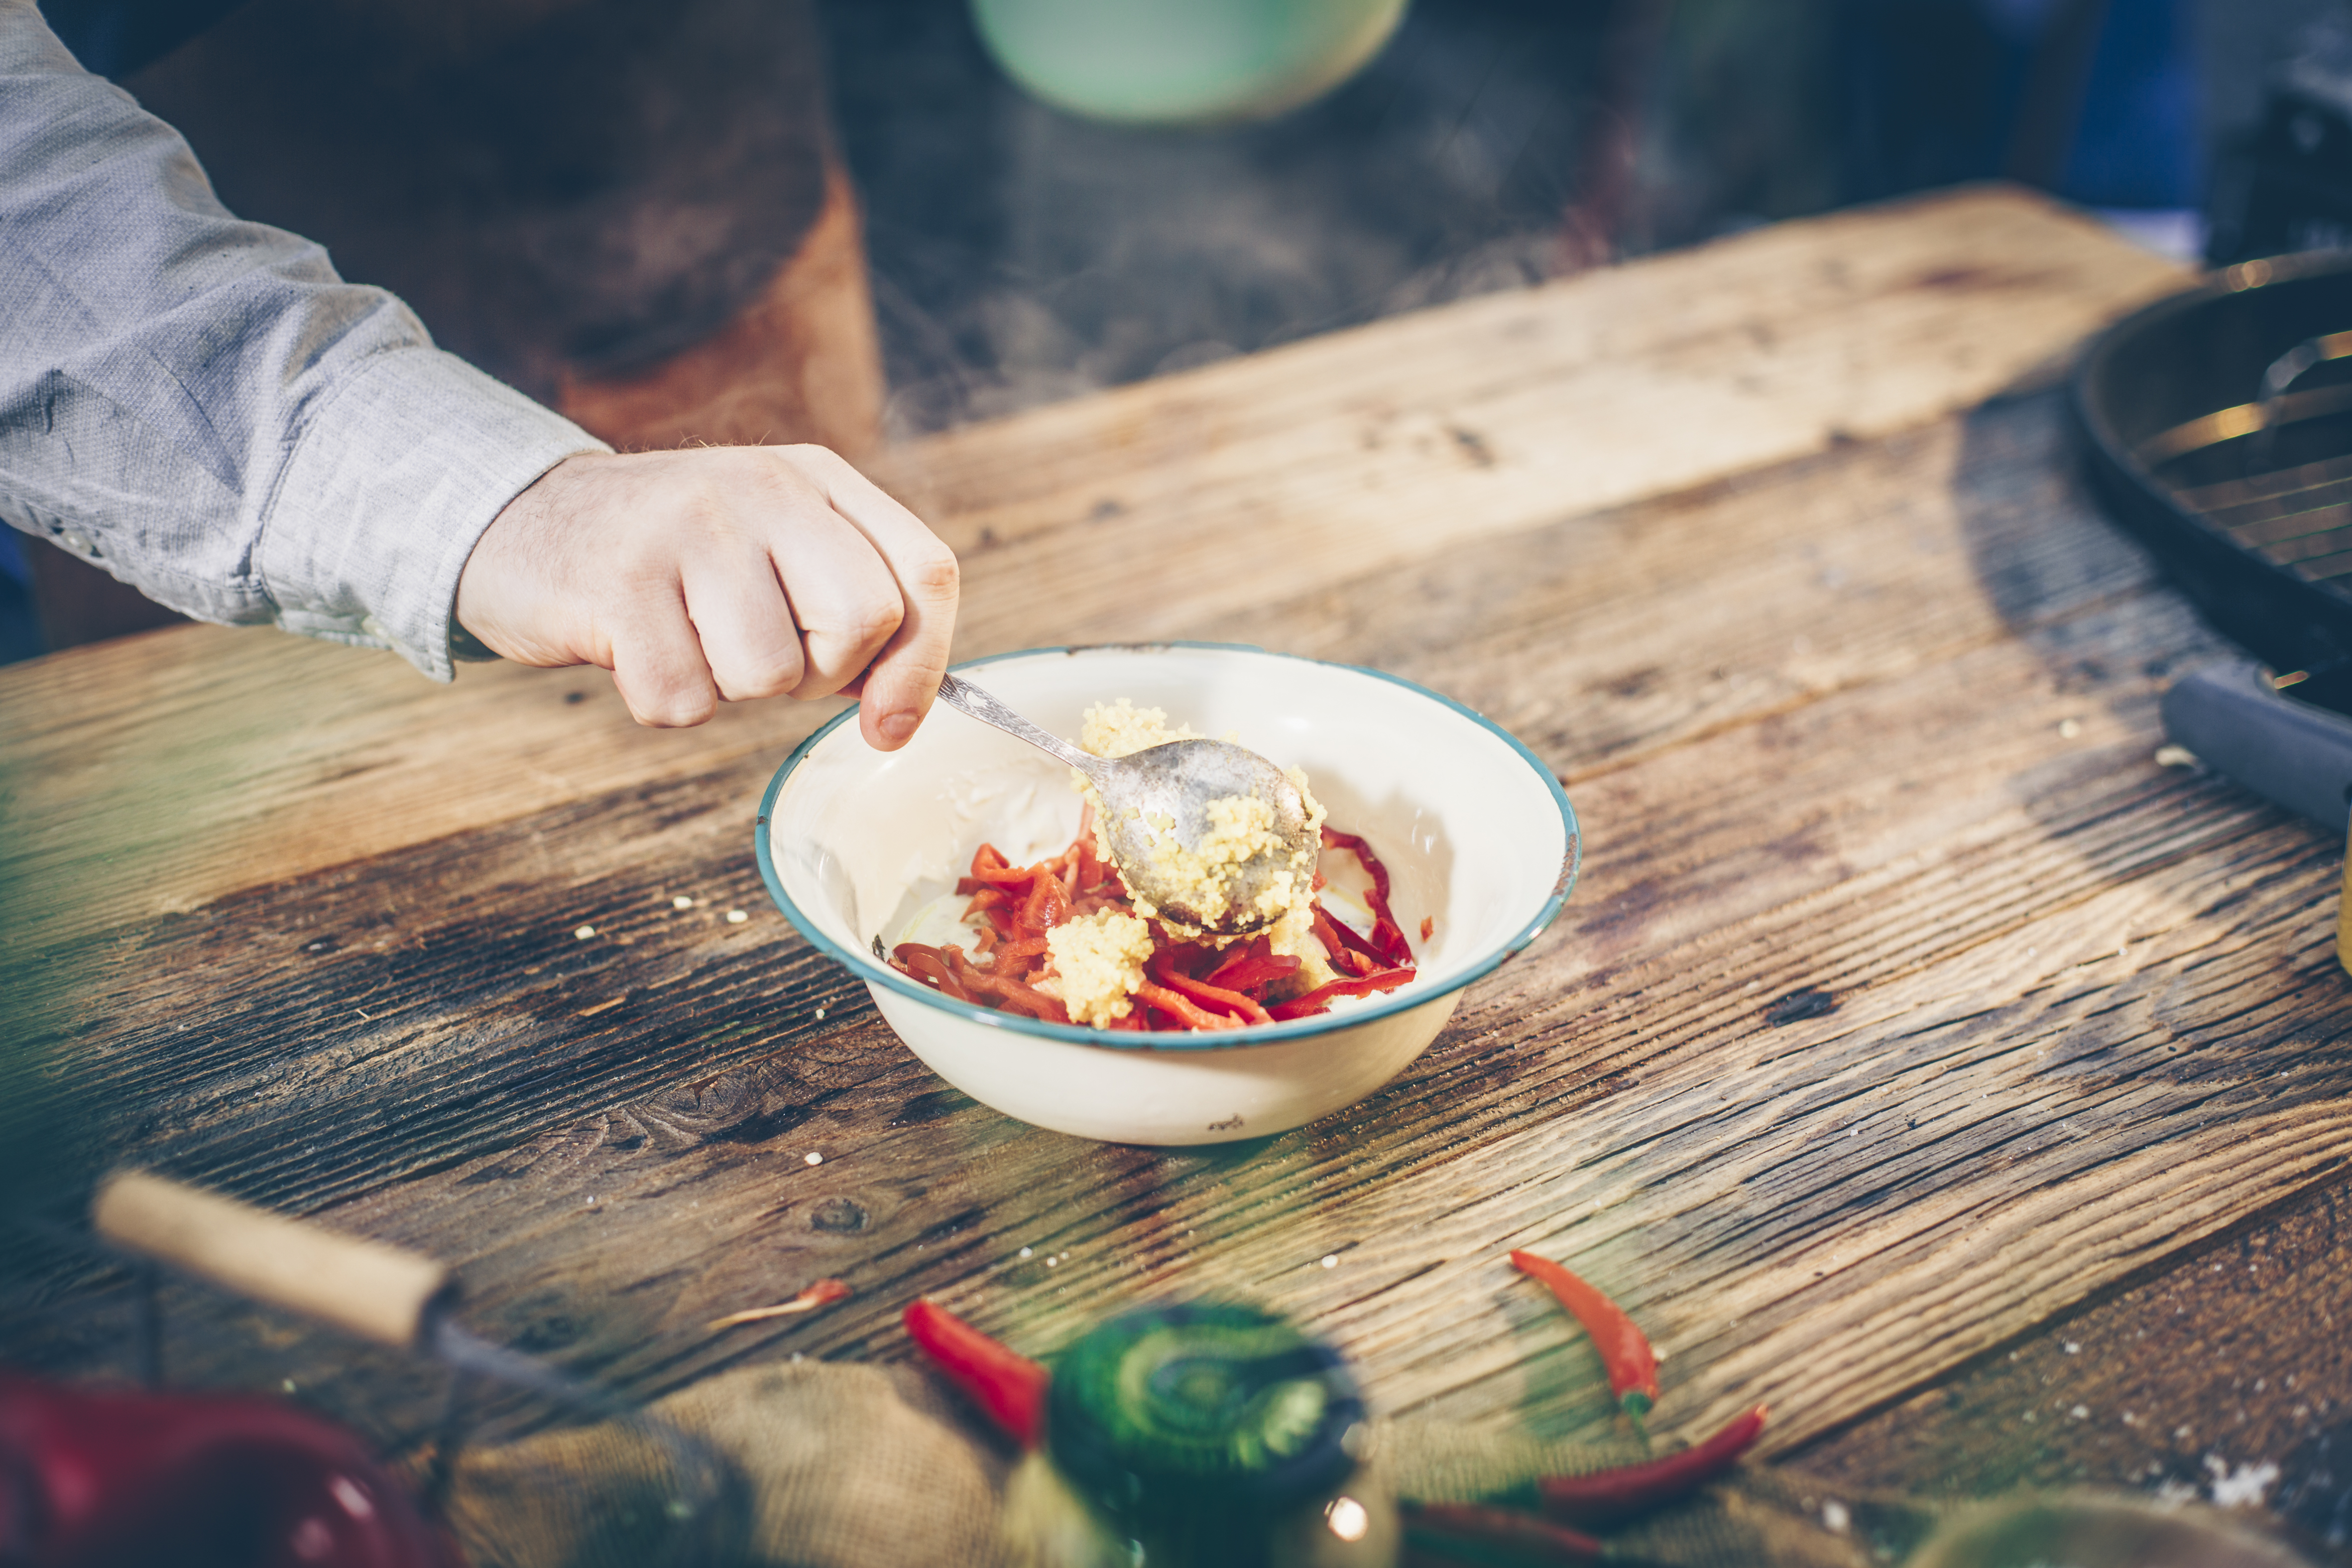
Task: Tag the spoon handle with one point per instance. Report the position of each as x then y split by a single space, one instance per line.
969 699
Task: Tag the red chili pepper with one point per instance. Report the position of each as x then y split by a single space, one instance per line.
1605 1497
104 1478
1009 1386
1625 1352
1435 1524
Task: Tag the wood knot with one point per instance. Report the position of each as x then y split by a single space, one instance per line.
838 1217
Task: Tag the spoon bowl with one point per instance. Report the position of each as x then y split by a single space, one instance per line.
1167 817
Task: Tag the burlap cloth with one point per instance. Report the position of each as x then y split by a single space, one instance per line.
843 1466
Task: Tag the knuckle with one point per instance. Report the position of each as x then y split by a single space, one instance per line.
771 677
935 574
673 713
662 695
703 510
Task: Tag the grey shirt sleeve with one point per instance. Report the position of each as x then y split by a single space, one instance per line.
202 407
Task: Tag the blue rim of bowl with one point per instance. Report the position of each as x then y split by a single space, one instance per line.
1404 999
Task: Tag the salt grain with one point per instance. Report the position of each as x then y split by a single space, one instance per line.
814 1158
681 902
1330 1262
736 917
583 933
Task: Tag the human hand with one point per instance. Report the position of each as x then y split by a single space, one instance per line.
719 572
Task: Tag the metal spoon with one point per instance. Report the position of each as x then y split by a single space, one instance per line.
1173 784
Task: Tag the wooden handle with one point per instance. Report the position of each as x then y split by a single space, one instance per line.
376 1291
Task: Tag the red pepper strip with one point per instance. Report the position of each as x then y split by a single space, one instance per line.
1435 1524
1092 872
1183 1008
1625 1352
1250 974
1605 1497
1047 904
1319 1000
1014 997
1386 935
1349 951
1234 958
929 965
1166 974
1379 953
1009 1386
1010 995
1027 947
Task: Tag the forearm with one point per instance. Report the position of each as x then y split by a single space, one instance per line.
200 406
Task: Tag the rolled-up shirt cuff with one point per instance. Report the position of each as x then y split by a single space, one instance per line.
391 481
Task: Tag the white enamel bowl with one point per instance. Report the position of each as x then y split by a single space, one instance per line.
1476 832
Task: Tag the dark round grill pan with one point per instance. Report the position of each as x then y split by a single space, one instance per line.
2217 426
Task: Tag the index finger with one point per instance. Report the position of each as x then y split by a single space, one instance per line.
898 686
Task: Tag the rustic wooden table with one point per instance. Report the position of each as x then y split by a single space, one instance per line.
1908 1012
